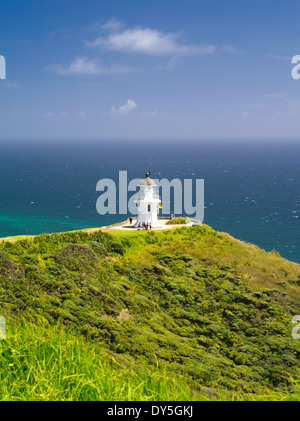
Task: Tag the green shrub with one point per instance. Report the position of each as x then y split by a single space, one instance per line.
178 221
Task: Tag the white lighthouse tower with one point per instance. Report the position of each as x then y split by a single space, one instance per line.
148 202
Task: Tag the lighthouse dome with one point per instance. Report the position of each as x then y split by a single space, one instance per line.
147 181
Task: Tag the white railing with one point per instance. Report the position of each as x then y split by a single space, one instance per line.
149 197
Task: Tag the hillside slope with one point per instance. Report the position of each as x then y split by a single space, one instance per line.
194 300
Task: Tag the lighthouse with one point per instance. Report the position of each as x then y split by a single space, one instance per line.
148 202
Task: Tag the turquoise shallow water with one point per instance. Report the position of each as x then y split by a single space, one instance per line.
251 188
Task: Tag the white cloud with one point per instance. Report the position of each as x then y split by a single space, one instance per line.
9 84
85 66
50 114
278 103
84 114
84 83
275 95
148 41
113 25
150 113
290 103
124 109
278 57
245 114
230 49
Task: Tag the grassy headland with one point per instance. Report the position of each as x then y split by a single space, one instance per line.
181 314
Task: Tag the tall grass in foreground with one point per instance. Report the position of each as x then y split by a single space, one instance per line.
50 363
38 363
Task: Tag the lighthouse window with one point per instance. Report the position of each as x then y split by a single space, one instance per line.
148 208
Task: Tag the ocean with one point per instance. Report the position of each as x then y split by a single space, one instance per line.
252 188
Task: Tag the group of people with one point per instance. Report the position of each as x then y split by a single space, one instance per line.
144 226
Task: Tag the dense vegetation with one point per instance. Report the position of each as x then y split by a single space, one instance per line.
178 221
50 363
192 303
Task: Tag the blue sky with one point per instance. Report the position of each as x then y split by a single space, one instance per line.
159 69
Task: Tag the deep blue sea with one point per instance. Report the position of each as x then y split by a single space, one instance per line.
252 189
